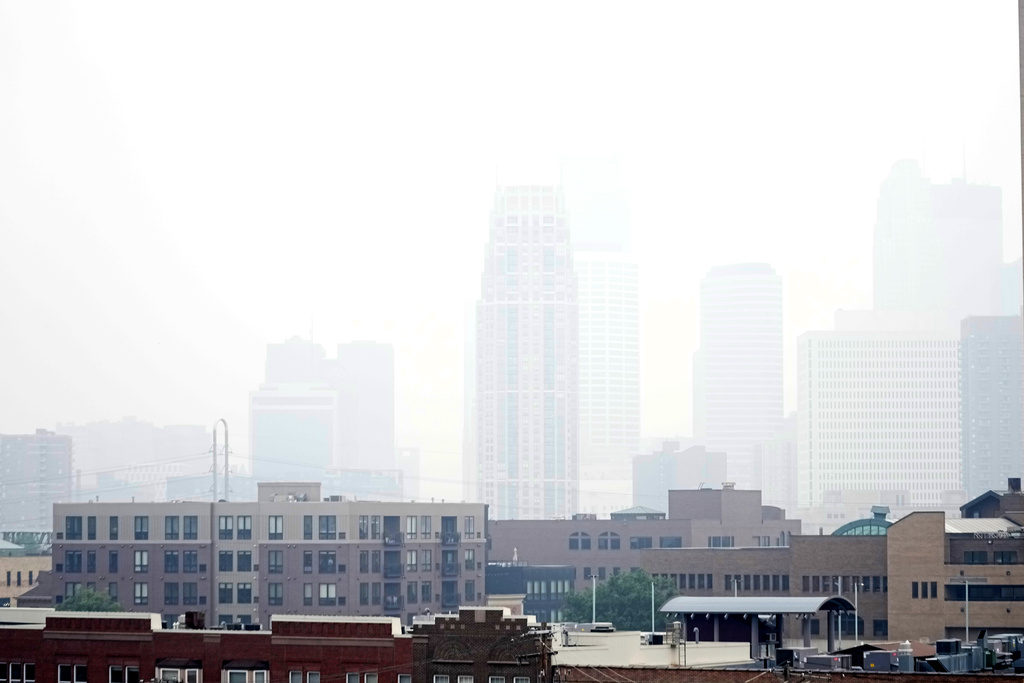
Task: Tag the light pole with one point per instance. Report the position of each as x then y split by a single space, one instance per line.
652 610
735 588
593 599
856 612
967 581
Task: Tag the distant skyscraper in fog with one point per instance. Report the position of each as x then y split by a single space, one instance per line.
991 402
878 411
527 359
35 473
937 248
738 398
609 337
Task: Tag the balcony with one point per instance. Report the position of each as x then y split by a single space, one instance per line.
393 538
393 603
449 599
392 571
450 537
450 569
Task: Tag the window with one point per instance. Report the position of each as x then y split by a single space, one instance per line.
975 557
236 677
112 528
112 590
328 561
495 679
425 526
225 527
328 527
469 558
171 596
225 593
275 593
426 560
913 590
190 561
370 678
171 528
275 562
141 561
670 542
411 563
465 679
404 678
73 561
471 590
440 679
579 541
521 679
721 541
90 528
191 528
1004 557
329 594
935 589
244 560
411 592
307 594
364 561
374 526
244 527
411 524
364 527
171 561
469 526
73 528
226 561
142 528
307 561
426 591
880 628
244 593
375 561
142 594
307 527
190 593
275 527
608 540
294 677
640 542
67 673
375 593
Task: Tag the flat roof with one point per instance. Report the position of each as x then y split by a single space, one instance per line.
981 525
755 605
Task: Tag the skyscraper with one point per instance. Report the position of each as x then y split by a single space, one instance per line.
937 247
527 359
738 400
878 411
609 337
991 405
35 473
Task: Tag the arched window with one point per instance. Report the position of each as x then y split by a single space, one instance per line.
608 540
579 541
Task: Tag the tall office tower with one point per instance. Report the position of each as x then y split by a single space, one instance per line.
991 405
878 411
777 462
527 359
364 377
35 473
609 336
937 248
609 299
740 364
671 468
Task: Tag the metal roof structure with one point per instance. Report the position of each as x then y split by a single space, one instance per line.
981 525
755 605
638 510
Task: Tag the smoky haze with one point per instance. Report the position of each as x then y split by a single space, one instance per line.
184 184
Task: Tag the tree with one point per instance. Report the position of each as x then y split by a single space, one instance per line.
624 600
88 600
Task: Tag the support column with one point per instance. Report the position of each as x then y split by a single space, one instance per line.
717 617
755 637
806 628
831 632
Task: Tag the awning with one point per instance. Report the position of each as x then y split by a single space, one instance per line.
246 665
755 605
179 663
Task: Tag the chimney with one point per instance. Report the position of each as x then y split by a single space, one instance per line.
1013 484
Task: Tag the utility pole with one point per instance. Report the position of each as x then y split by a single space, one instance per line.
593 599
226 465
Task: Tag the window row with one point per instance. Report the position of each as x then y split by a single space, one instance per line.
17 672
844 585
757 582
609 540
928 590
17 578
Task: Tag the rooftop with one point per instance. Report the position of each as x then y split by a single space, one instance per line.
755 605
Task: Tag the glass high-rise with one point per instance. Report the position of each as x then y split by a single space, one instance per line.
527 359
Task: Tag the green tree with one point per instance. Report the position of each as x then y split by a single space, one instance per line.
625 600
88 600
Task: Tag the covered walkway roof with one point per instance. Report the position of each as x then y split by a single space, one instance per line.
755 605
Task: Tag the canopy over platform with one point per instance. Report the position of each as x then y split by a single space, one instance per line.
756 605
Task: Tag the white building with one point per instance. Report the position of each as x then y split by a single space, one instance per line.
738 367
527 359
878 412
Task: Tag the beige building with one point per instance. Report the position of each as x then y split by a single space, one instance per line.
18 574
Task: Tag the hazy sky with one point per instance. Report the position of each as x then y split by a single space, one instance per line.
181 183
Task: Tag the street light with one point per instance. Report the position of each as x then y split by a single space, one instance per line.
967 581
593 599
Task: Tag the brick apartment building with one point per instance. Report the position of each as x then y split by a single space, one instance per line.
132 647
288 552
